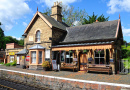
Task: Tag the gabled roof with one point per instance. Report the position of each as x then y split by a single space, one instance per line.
24 51
95 31
37 47
51 22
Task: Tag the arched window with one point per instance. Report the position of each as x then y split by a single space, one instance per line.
38 36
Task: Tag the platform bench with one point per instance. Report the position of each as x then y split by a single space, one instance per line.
98 68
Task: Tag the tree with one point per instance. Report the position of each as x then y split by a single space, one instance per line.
93 18
21 42
1 38
69 14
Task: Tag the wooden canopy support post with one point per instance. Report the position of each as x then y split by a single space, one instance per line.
77 52
104 56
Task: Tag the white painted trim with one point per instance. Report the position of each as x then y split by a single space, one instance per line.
77 80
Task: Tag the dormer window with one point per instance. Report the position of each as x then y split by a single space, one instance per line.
38 36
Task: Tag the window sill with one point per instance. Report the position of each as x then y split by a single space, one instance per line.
38 42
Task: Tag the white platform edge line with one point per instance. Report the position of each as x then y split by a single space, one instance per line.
78 80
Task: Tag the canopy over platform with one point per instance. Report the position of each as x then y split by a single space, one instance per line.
24 51
37 47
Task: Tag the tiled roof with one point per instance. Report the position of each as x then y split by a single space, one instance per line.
82 44
94 31
37 47
56 23
24 51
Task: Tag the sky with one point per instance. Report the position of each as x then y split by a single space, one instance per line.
15 15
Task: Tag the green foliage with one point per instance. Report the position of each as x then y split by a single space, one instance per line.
14 63
69 14
11 63
93 18
124 55
46 64
2 63
1 38
127 64
8 64
128 53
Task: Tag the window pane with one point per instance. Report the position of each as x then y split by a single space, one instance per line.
38 36
101 55
101 60
96 60
33 56
40 56
62 56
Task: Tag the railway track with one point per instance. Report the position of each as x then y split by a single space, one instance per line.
15 85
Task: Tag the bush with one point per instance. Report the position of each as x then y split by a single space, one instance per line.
11 64
14 63
124 55
7 64
2 63
46 64
128 53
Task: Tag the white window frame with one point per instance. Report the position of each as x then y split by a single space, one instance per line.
11 60
32 57
69 57
98 57
40 57
38 36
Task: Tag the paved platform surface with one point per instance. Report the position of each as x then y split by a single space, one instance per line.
121 79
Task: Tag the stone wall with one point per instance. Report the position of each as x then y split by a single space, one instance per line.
45 34
59 83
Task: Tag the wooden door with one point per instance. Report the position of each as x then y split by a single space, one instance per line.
83 62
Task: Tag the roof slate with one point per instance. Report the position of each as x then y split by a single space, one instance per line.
56 23
94 31
24 51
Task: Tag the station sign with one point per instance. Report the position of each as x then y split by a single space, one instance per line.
11 53
27 58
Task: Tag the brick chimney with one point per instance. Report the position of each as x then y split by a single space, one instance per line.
56 11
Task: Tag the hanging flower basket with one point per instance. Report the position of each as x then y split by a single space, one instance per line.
85 51
99 50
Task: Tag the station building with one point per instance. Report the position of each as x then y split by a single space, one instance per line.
94 45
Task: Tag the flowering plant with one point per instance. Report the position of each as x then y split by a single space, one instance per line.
46 64
99 50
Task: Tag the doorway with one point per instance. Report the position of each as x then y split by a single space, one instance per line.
83 62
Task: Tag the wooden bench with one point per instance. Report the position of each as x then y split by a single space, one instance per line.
99 68
69 66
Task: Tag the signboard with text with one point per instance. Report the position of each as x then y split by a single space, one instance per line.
27 58
11 53
54 64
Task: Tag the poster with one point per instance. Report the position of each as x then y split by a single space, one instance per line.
47 54
18 60
54 64
27 58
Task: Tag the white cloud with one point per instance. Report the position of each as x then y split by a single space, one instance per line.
50 3
126 32
25 24
11 10
118 5
18 38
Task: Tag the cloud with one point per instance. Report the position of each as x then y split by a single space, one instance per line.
118 5
126 32
11 10
25 24
50 3
17 37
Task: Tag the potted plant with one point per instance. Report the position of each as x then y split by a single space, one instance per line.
46 65
99 50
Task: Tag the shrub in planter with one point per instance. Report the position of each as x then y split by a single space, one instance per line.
46 65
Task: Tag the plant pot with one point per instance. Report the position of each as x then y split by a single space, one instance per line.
45 68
